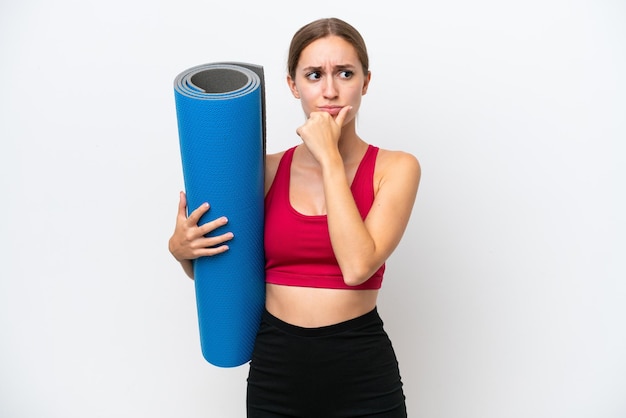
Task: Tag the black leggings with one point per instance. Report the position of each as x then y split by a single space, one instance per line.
343 370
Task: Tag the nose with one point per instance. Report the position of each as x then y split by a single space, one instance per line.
330 90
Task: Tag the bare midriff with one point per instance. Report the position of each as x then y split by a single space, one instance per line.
313 307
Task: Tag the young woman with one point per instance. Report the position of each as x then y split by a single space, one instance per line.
336 207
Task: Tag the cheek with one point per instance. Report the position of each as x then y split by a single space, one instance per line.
305 103
355 96
307 92
307 97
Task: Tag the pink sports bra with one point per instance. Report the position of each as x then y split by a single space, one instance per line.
298 251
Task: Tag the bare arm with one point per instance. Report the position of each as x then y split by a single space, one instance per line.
361 247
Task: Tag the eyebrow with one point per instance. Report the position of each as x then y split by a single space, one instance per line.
336 67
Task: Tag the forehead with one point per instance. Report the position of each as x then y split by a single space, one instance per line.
331 50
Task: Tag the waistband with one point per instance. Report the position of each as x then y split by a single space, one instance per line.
368 318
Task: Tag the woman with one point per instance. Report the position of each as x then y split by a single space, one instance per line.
335 209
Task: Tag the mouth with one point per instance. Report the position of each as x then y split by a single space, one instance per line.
332 110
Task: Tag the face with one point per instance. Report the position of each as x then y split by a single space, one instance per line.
329 76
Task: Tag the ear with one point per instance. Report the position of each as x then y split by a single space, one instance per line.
366 83
292 87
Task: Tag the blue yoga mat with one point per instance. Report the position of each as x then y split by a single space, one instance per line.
220 109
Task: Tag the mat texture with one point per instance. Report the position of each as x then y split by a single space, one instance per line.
220 110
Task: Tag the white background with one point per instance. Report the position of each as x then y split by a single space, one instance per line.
507 296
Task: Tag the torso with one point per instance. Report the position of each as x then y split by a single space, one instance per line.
314 307
307 306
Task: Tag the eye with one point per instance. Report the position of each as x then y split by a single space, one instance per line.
346 74
314 75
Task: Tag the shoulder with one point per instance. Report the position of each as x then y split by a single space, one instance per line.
271 166
398 174
272 161
392 163
396 181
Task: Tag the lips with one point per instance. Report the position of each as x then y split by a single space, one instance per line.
333 110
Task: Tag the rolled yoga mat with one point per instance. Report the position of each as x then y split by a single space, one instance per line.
220 109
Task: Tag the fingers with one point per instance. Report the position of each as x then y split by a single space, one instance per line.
191 240
210 244
325 119
209 252
192 221
186 248
182 205
194 217
197 233
212 225
343 113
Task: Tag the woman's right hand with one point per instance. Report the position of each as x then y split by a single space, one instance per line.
189 240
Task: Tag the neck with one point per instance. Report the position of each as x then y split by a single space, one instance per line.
351 147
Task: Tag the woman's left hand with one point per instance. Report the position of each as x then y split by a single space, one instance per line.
321 132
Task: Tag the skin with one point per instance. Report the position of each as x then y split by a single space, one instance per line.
329 82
